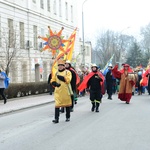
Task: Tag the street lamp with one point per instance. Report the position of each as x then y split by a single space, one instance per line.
83 47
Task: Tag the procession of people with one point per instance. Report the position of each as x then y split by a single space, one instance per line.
70 84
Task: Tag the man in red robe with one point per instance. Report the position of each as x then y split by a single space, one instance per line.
93 82
127 81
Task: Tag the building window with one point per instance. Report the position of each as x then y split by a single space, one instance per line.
41 43
34 1
60 8
42 4
71 13
35 37
45 71
54 6
0 34
48 5
67 36
42 32
66 10
88 51
21 35
10 33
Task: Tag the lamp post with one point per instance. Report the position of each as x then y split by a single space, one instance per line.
120 57
83 47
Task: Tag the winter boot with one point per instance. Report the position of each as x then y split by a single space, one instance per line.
56 120
93 106
67 119
109 97
5 101
97 107
67 114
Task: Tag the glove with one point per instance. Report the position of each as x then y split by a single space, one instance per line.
61 78
97 76
87 90
56 84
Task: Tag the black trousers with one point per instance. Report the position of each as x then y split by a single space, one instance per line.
57 113
109 89
72 100
2 93
95 95
148 87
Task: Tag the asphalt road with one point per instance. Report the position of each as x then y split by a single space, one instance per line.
118 126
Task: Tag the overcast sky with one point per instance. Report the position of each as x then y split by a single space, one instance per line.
118 15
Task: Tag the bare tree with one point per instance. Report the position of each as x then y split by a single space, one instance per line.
145 34
145 44
10 48
109 43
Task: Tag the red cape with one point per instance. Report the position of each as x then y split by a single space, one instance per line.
144 81
77 77
83 85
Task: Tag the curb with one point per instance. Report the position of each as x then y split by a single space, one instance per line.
24 108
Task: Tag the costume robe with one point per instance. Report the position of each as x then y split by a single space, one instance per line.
126 85
62 94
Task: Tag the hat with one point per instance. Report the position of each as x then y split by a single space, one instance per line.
126 65
93 65
68 62
110 65
61 62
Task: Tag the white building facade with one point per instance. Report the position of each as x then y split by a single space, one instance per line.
85 60
24 21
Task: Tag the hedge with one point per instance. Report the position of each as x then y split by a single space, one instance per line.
24 89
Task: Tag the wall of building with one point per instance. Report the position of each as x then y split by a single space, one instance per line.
87 55
30 60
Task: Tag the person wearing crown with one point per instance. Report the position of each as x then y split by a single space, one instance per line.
127 81
62 94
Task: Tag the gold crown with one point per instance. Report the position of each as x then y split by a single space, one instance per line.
61 62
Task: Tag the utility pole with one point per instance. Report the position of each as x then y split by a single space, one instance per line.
83 47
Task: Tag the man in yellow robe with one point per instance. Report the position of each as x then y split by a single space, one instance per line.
62 94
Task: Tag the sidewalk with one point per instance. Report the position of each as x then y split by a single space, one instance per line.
25 102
